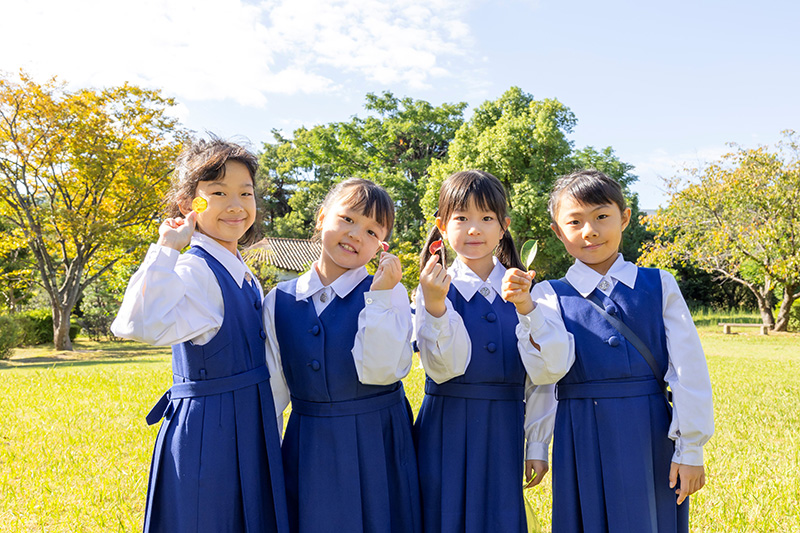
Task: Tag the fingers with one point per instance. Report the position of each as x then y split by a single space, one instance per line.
534 472
692 478
673 475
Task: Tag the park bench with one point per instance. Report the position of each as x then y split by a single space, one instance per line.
726 327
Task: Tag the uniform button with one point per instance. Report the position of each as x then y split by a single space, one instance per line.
262 334
492 347
613 341
314 365
678 453
611 309
491 317
369 300
257 304
314 330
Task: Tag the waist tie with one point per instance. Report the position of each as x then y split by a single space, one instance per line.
608 389
348 407
207 387
475 391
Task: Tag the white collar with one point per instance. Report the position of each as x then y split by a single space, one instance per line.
467 282
232 263
585 279
310 283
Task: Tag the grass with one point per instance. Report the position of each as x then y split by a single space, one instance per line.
75 450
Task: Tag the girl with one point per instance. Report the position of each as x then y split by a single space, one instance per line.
341 340
620 449
216 464
481 339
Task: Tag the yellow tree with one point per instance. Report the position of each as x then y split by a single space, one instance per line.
82 174
739 218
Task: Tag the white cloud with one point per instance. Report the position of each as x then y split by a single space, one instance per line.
231 49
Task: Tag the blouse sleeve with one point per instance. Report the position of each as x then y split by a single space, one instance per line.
382 349
444 345
172 298
692 410
540 416
555 355
277 380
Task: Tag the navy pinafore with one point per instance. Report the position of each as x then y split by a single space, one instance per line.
470 429
611 450
216 464
348 451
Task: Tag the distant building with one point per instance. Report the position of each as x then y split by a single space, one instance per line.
291 256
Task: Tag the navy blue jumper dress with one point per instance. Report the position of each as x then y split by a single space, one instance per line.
611 450
216 464
470 429
348 451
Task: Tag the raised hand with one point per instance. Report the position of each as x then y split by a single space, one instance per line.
176 233
516 288
389 273
435 282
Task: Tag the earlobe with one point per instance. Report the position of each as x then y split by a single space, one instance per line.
557 231
626 218
320 217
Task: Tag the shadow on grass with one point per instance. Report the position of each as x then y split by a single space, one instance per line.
85 353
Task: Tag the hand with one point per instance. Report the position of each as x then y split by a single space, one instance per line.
435 282
516 288
176 233
693 478
389 273
539 467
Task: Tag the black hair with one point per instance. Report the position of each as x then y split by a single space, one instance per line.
202 160
587 187
488 193
369 198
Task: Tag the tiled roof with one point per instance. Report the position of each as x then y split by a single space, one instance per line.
287 254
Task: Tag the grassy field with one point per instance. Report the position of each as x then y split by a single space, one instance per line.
74 447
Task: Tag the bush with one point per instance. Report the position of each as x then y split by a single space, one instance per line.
9 335
794 316
37 327
97 309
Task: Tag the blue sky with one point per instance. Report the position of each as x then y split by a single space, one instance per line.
667 85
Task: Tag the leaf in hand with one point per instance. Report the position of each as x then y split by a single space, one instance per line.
528 252
435 246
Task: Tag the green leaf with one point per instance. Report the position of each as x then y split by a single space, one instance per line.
528 252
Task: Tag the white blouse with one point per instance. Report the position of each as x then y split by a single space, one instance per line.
382 346
446 350
687 374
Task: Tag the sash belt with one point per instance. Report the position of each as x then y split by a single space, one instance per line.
473 391
608 389
348 407
208 387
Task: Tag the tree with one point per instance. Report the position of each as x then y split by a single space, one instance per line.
740 218
81 177
393 146
523 141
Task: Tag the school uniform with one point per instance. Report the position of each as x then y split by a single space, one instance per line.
482 404
348 451
615 431
216 465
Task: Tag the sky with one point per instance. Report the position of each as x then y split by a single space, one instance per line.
666 85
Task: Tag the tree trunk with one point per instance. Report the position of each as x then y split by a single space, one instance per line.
61 324
782 322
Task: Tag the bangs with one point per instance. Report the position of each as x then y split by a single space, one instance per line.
476 186
373 202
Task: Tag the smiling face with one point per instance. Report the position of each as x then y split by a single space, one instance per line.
231 205
473 233
591 233
349 239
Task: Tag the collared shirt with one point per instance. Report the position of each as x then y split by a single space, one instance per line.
446 350
175 297
687 374
382 347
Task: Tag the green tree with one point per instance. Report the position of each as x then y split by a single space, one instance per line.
524 142
82 174
739 218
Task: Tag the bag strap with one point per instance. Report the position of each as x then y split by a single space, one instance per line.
628 333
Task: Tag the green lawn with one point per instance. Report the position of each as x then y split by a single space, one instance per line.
74 447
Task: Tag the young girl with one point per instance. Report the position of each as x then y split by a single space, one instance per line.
341 340
216 464
481 339
621 453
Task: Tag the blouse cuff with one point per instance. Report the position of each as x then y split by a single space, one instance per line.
161 255
686 454
435 324
531 323
536 451
378 299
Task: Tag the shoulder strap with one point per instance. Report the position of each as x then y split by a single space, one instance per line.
626 332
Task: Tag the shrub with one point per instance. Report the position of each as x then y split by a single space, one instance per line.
37 327
9 335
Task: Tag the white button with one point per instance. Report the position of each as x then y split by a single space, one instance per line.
603 285
485 291
323 297
369 300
